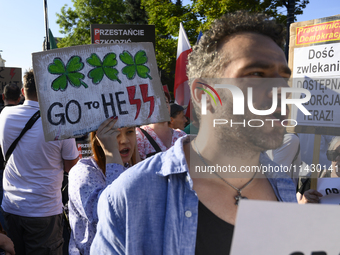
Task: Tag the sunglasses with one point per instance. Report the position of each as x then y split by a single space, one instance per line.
332 155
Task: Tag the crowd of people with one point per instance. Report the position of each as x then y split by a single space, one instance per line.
138 193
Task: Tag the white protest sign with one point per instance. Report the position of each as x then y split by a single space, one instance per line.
79 87
317 61
317 68
264 227
329 188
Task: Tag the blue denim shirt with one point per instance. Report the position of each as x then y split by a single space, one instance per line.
152 209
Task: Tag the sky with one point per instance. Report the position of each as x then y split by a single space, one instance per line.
22 28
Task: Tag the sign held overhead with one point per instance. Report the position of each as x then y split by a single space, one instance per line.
79 87
10 75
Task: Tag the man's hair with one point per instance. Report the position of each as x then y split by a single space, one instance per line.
175 109
29 84
204 60
12 92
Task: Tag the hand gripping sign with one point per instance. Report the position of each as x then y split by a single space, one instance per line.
79 87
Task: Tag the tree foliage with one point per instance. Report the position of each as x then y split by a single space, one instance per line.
166 16
75 23
134 13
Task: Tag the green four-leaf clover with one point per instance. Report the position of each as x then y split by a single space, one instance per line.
135 65
67 74
100 69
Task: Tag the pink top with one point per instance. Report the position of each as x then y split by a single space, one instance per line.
145 147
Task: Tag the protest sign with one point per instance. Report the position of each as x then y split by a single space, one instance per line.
84 148
314 59
119 33
79 87
329 188
264 227
10 75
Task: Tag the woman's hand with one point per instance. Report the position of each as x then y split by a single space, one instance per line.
107 138
310 196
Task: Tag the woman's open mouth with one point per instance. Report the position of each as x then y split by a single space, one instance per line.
124 152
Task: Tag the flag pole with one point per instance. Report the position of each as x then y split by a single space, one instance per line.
46 26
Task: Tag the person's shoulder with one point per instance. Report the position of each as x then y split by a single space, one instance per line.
291 138
152 172
146 177
9 109
84 166
179 133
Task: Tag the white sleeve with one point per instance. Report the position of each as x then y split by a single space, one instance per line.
69 149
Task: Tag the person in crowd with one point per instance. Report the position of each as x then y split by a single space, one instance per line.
11 95
192 128
114 150
177 117
33 175
288 155
307 147
307 195
162 206
157 137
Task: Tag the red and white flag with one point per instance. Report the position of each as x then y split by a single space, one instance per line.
181 88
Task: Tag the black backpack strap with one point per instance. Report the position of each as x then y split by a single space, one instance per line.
151 140
28 125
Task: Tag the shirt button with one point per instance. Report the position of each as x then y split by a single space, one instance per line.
188 214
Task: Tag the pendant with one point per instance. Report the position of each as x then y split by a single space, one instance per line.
238 198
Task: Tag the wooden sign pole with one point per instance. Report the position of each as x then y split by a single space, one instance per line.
316 155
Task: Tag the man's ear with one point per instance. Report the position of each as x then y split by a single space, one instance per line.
197 91
23 91
171 119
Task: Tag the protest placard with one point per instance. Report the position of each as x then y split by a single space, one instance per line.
10 75
79 87
329 188
314 59
122 33
264 227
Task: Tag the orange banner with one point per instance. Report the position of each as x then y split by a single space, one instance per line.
323 32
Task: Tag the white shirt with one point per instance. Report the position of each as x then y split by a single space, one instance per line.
34 172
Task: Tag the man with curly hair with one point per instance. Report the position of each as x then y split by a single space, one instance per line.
33 176
162 206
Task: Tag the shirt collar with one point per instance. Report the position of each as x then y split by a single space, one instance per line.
31 103
171 166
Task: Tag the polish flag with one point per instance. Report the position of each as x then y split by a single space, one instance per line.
181 88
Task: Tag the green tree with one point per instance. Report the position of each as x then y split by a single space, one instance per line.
165 15
75 23
134 13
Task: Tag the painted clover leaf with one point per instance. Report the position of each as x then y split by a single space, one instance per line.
135 65
67 74
97 73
